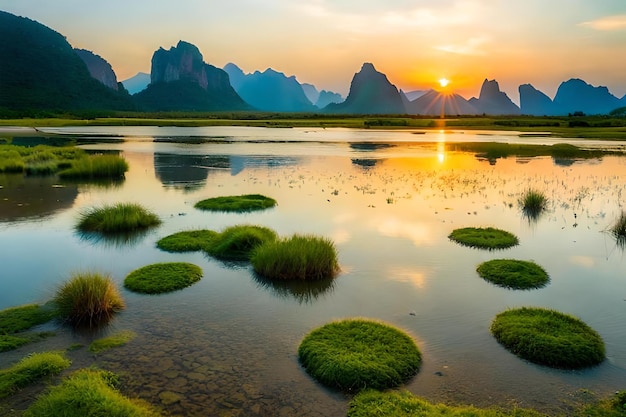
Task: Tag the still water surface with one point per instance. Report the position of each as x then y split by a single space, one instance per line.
227 345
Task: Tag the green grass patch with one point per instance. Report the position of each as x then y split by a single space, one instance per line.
355 354
514 274
89 392
88 299
163 277
236 243
29 370
19 319
533 203
10 342
187 241
300 257
118 218
96 167
371 403
618 229
239 203
549 338
484 238
109 342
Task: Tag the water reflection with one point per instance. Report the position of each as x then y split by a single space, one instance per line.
239 163
186 172
304 292
112 240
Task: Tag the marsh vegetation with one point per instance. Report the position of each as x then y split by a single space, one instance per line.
117 218
484 238
237 243
533 203
513 274
239 204
30 369
163 277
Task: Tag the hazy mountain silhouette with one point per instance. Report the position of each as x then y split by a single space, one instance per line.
181 80
575 95
99 68
269 90
311 92
137 82
535 103
415 94
435 103
493 101
326 98
41 71
370 93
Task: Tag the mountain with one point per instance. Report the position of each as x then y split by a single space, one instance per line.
435 103
370 93
493 101
42 72
99 68
137 83
181 81
535 103
311 92
575 95
413 95
327 97
269 90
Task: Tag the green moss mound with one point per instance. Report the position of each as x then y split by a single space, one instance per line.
355 354
514 274
484 238
163 277
118 218
370 403
300 257
88 392
236 243
18 319
187 241
30 369
115 340
88 299
239 203
549 338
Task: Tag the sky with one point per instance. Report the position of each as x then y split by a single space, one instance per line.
324 42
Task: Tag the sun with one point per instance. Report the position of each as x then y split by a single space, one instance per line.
443 82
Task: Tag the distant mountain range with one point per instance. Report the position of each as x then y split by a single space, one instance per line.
40 71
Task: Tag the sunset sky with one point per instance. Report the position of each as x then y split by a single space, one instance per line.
324 42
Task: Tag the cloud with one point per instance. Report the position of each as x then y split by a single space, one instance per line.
473 46
608 23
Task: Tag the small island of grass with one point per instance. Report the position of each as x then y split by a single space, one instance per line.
484 238
30 369
187 241
547 337
19 319
514 274
236 243
354 354
112 341
239 204
300 257
163 277
118 218
533 203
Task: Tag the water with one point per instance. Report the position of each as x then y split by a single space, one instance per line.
227 345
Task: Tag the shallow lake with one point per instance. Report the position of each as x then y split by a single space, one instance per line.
227 345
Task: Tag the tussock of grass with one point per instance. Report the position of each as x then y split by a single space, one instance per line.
239 203
618 230
514 274
88 299
302 257
109 342
355 354
533 203
118 218
237 242
29 370
18 319
372 403
96 167
549 338
187 241
163 277
484 238
88 392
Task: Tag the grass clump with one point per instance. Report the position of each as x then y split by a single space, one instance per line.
89 392
9 342
514 274
371 403
88 299
187 241
163 277
301 257
18 319
29 370
118 218
618 230
355 354
549 338
236 243
109 342
96 167
533 203
484 238
239 203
